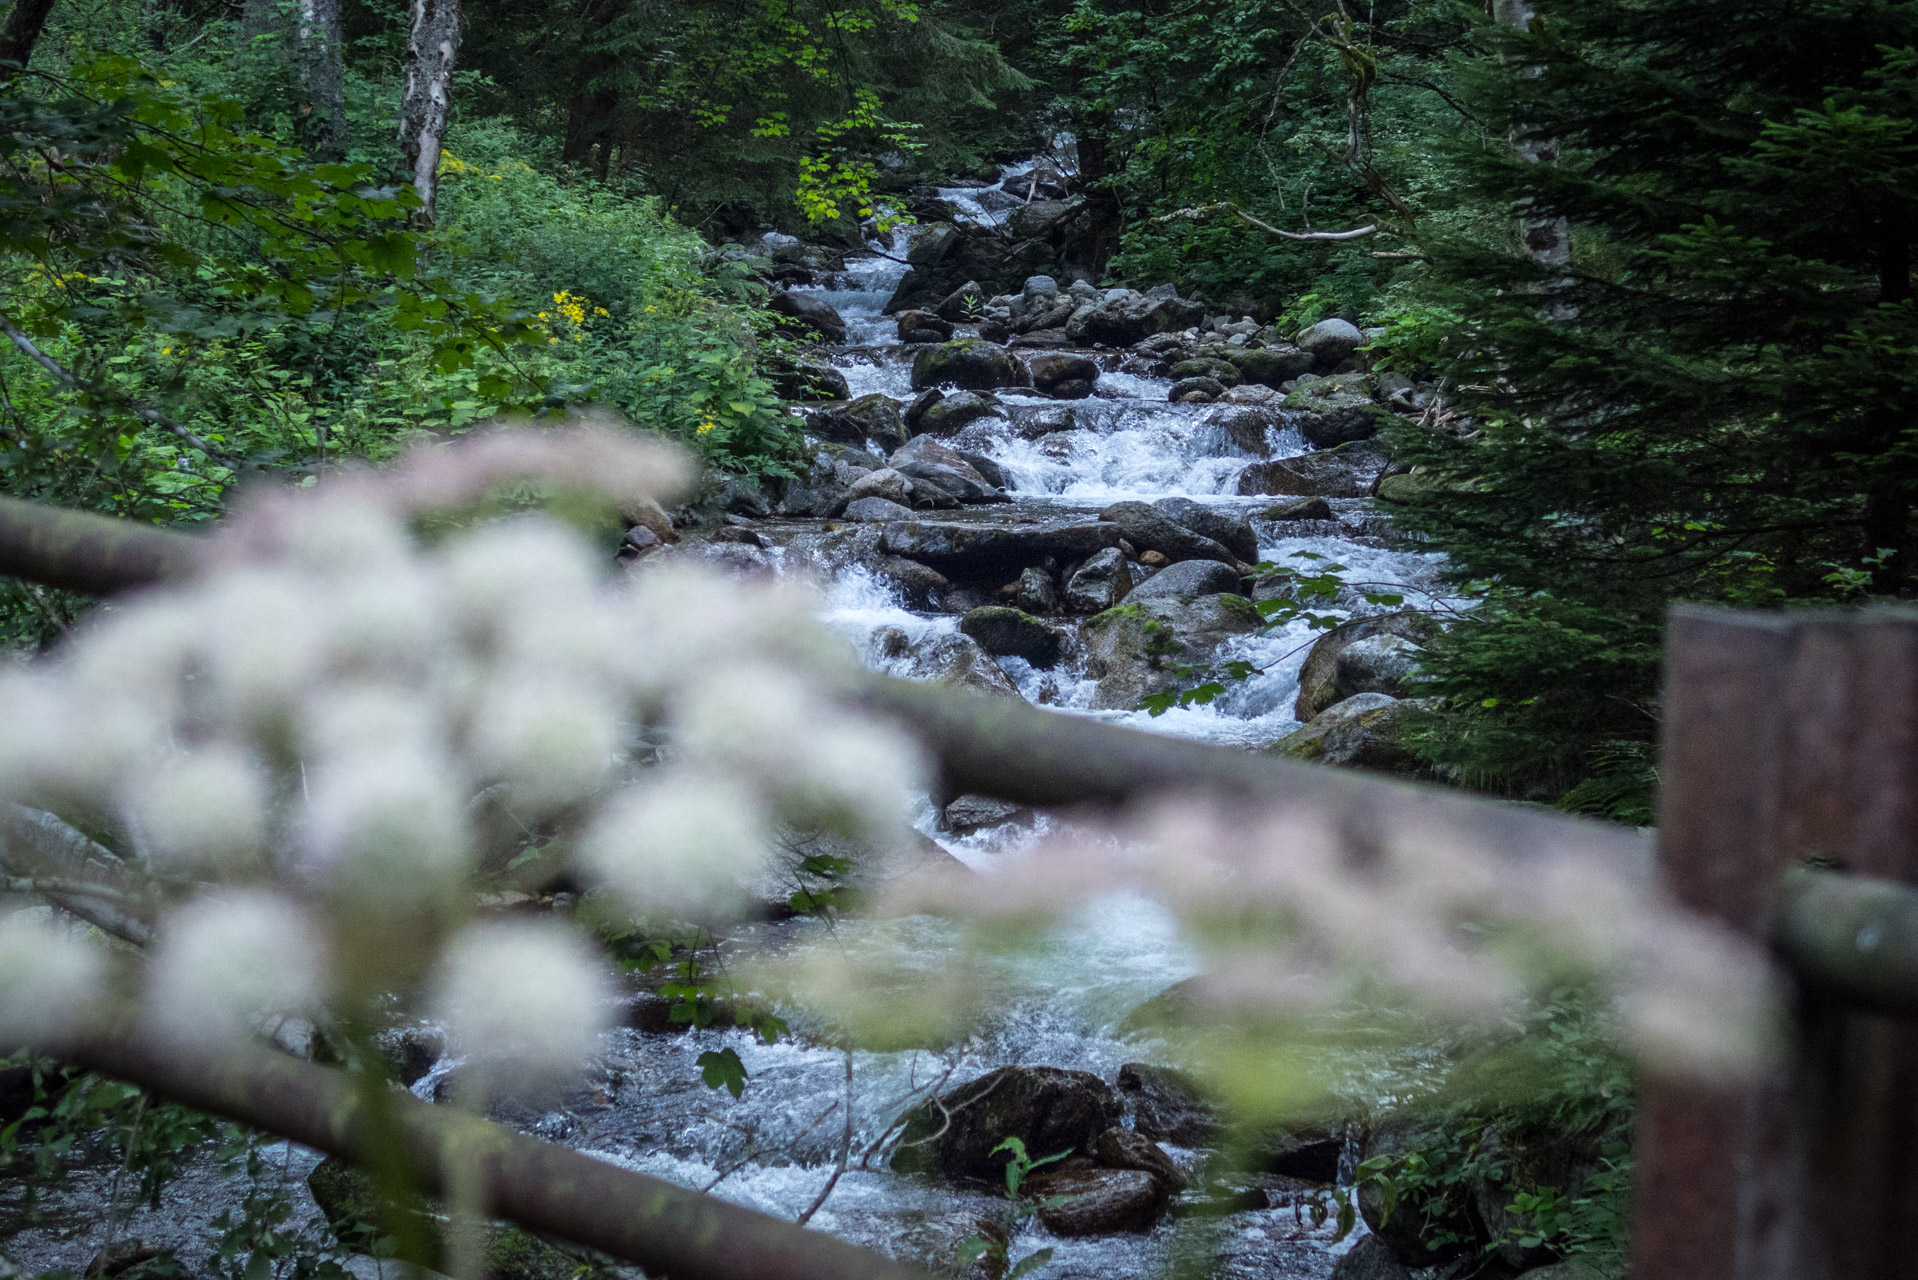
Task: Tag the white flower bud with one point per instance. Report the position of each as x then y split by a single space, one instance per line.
220 962
49 978
552 739
206 806
528 562
524 1001
387 826
679 842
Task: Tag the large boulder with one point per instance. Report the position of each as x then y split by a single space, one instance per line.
808 312
967 363
1333 411
944 413
1187 579
1096 1202
822 488
1300 509
1052 1111
1167 1105
1374 664
1348 471
874 417
1271 366
1101 582
1331 342
1005 632
875 510
884 483
810 381
1037 591
924 327
929 464
958 661
1234 533
1195 391
932 244
1365 731
997 551
1132 650
1247 426
1062 376
965 303
1319 685
1220 371
1147 530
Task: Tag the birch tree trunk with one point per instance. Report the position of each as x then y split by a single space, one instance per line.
323 75
433 41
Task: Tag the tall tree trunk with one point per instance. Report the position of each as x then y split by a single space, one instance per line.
1547 240
433 41
1097 168
25 20
589 110
323 76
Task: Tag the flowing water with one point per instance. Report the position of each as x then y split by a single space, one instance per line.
1059 1005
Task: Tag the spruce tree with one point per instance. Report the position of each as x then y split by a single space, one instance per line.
1714 401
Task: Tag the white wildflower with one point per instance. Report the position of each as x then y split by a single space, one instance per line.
347 538
387 826
525 1001
49 978
391 618
206 806
60 736
139 652
352 718
552 739
222 961
531 562
263 630
678 842
683 619
755 721
858 773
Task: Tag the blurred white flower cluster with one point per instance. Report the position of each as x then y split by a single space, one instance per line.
371 694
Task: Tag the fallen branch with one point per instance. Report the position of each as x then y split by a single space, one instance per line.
41 854
666 1229
1200 210
79 551
73 383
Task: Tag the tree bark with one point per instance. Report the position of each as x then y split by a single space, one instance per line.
666 1229
1547 240
426 105
590 107
79 551
323 76
1097 171
25 21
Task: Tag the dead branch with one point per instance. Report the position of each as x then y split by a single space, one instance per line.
41 854
1200 210
79 551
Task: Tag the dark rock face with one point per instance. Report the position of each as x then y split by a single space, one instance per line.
1336 410
963 303
932 466
1348 471
1101 582
967 363
1124 1149
1272 366
1231 532
945 413
1196 390
958 661
876 509
1101 1201
1166 1105
1147 530
923 327
1220 371
1006 632
1187 579
1246 425
1364 731
984 551
1310 1155
1369 1259
1038 592
874 417
1052 1111
1301 509
969 813
1062 376
822 490
1318 678
1132 650
810 381
808 312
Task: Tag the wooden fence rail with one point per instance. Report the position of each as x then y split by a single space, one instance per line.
1789 812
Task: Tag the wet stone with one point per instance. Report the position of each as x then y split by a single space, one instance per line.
970 813
1050 1109
1010 633
1100 1202
876 509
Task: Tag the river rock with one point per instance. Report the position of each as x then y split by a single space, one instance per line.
1348 471
1333 411
1331 342
1006 632
1167 1105
809 381
1187 579
808 311
1365 731
874 417
963 303
1220 371
1131 650
959 662
1300 509
967 363
969 813
1037 591
1246 425
1374 664
922 586
1147 530
1369 1259
1063 376
1234 533
1318 677
1310 1154
944 413
929 464
1101 582
932 244
996 551
1272 366
1096 1202
821 489
1195 391
1252 393
876 510
919 327
883 483
1123 1149
1053 1111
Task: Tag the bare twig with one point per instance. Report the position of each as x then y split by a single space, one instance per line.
845 1153
1200 210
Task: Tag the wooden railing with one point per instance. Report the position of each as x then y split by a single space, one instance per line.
1789 812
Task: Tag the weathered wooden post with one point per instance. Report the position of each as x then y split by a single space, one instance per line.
1790 738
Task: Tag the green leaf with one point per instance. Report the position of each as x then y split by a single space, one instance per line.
723 1069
